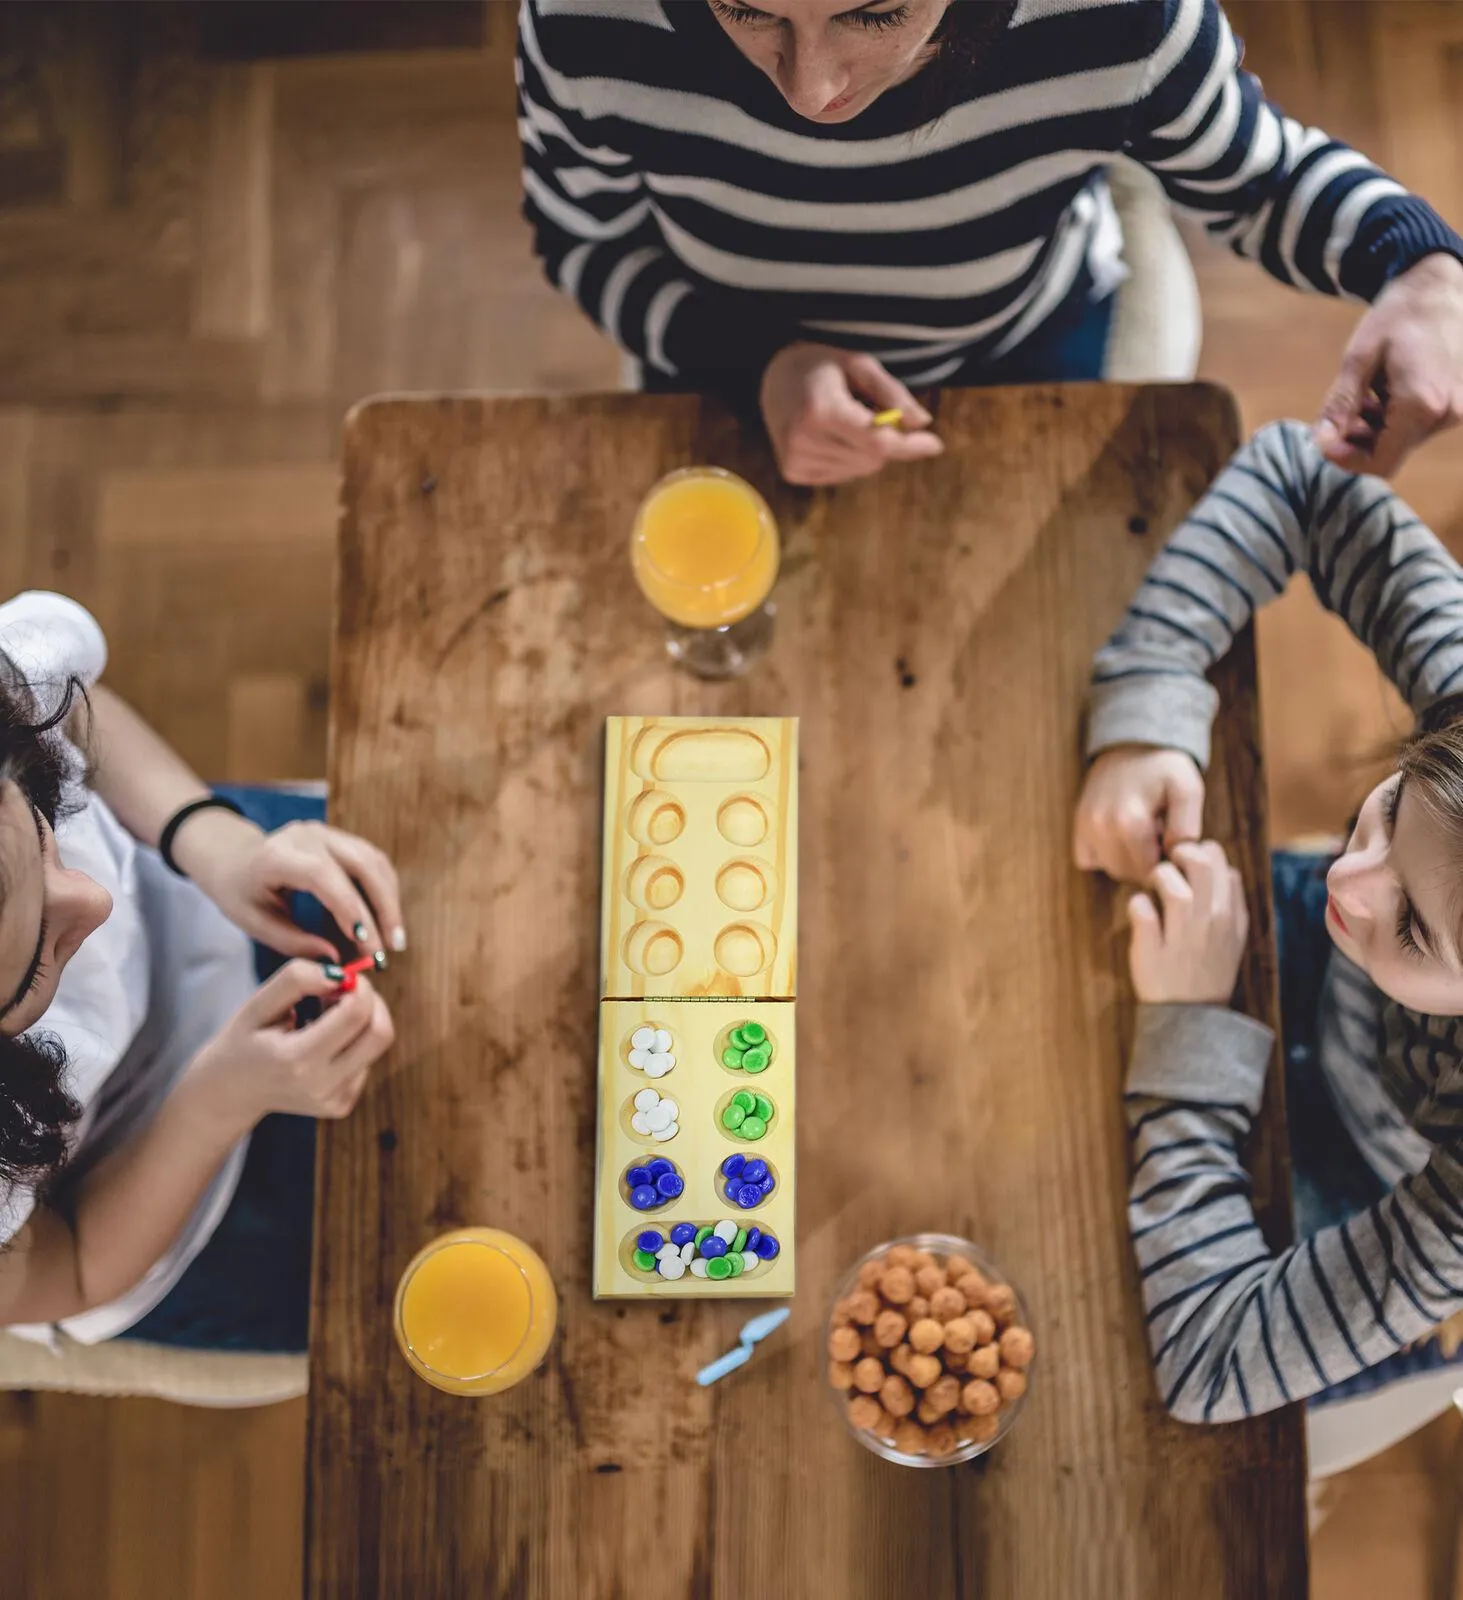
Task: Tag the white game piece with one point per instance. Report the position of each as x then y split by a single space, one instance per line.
725 1230
639 1124
665 1059
659 1116
656 1067
646 1100
643 1038
674 1108
750 1261
666 1251
688 1251
660 1135
673 1267
698 1267
663 1040
640 1059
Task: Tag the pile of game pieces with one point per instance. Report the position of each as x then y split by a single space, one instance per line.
656 1116
746 1181
655 1184
724 1250
747 1115
650 1052
747 1049
929 1351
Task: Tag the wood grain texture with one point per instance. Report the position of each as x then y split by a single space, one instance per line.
963 1012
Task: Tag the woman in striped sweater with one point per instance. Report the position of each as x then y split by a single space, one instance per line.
811 205
1374 1041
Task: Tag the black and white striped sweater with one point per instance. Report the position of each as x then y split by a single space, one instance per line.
703 224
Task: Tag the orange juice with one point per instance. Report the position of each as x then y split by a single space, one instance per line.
704 548
475 1311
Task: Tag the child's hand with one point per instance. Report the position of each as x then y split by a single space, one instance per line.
1137 804
262 1062
1191 956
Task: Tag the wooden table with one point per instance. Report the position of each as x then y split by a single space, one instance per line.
962 1013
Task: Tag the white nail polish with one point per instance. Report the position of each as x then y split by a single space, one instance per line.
398 940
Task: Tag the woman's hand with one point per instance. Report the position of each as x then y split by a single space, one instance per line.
1187 946
262 1062
247 874
1137 805
822 432
1401 379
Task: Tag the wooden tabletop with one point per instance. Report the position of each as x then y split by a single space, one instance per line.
963 1013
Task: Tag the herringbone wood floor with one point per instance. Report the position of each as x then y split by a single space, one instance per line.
220 226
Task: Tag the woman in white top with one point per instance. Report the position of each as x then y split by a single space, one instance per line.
137 1049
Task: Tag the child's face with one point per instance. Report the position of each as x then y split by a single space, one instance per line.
1396 904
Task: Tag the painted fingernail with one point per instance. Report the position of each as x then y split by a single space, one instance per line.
379 957
360 932
332 971
398 940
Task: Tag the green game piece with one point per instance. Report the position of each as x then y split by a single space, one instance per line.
739 1039
645 1261
702 1233
719 1267
739 1243
735 1263
752 1128
733 1117
744 1099
763 1107
754 1032
756 1059
731 1057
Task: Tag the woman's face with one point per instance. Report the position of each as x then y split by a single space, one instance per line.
1396 908
832 59
46 912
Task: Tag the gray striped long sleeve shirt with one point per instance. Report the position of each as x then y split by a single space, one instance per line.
1234 1328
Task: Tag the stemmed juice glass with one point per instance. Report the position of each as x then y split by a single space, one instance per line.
475 1311
705 552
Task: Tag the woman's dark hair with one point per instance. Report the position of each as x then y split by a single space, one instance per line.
966 37
35 1108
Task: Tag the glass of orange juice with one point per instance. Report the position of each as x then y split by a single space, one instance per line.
475 1311
705 553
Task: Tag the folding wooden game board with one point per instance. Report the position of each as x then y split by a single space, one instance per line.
698 987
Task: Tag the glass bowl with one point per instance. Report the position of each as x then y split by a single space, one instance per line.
941 1246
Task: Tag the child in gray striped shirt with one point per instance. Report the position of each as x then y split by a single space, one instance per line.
1234 1327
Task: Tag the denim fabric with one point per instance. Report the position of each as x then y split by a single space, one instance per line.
249 1287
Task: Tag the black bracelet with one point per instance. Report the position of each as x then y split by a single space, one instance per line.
212 802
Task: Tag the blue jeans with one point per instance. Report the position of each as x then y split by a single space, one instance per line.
1069 347
249 1287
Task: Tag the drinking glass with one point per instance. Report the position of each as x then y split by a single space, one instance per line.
705 552
475 1311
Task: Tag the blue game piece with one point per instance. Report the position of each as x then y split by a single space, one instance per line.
658 1166
650 1241
747 1196
767 1247
754 1238
711 1247
683 1233
637 1176
768 1184
732 1166
670 1184
754 1171
644 1198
